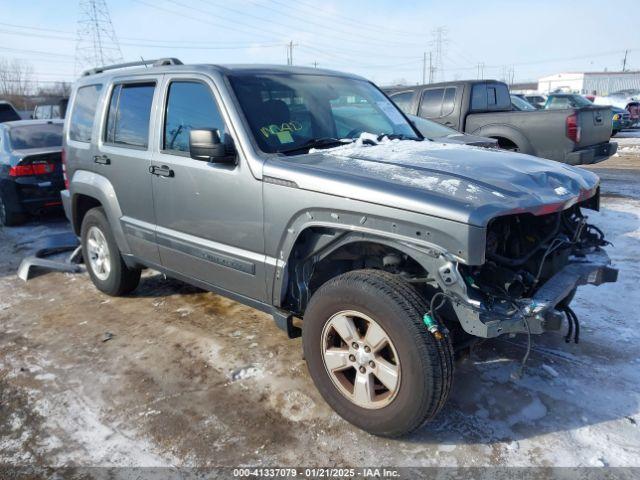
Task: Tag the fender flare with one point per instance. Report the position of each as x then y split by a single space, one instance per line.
510 133
99 187
354 228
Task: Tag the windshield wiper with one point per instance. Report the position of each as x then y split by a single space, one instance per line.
322 142
397 136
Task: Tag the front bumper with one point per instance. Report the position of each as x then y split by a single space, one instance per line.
538 314
592 154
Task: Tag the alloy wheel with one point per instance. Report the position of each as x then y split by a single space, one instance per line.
360 359
99 255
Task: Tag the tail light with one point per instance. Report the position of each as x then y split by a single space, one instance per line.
31 169
573 129
63 156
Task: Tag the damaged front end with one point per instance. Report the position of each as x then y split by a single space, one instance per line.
534 264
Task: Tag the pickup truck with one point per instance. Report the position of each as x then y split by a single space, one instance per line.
483 107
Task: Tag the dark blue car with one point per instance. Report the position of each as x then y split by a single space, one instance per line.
30 168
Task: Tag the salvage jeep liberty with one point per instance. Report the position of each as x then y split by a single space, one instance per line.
307 194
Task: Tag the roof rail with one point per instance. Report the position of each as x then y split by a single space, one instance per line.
158 62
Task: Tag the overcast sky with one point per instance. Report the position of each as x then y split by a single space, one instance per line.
383 40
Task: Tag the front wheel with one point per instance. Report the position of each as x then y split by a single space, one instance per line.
102 257
371 356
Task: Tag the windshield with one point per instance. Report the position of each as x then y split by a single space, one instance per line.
287 112
36 136
430 129
521 104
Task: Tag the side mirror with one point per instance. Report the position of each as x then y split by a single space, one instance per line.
206 145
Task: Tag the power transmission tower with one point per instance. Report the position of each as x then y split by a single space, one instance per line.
96 41
624 62
438 42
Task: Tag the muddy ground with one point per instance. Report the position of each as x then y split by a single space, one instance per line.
173 376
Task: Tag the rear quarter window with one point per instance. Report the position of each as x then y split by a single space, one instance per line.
83 113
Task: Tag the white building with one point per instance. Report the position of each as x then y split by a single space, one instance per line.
602 83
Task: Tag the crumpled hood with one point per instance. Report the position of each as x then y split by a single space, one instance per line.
459 182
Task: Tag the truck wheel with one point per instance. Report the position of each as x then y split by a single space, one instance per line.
371 356
102 257
8 216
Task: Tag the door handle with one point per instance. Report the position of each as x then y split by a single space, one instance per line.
162 171
102 160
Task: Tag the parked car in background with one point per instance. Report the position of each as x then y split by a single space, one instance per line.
7 112
439 133
520 104
259 183
620 118
537 101
483 107
626 99
30 168
560 101
51 110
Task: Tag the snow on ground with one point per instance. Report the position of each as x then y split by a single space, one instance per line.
192 379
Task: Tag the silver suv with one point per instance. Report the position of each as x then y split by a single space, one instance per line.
307 194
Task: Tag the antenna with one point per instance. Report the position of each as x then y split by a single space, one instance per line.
96 41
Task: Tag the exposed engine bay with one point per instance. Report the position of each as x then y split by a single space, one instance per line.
528 259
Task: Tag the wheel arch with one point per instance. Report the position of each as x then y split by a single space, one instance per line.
505 135
322 252
91 190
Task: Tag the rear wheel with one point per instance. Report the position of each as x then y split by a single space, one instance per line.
8 215
371 356
102 257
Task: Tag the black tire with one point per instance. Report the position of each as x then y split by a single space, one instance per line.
121 279
8 215
426 363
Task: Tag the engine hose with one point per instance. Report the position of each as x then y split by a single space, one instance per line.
567 337
576 324
516 262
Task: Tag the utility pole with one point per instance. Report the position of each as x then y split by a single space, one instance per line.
480 70
290 46
315 64
96 41
624 62
424 68
430 68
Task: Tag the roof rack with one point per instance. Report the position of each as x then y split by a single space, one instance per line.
158 62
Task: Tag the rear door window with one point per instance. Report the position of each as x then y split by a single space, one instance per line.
403 100
129 115
449 101
84 110
431 103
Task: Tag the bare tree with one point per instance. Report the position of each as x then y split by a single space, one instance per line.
15 79
58 89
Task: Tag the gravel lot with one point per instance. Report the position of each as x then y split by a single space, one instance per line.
193 379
